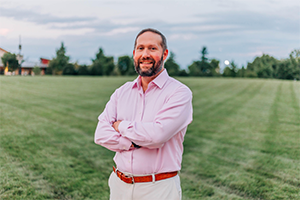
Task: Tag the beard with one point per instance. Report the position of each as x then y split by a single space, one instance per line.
156 67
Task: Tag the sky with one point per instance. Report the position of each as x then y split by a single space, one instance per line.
234 30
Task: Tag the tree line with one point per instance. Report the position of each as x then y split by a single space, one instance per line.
264 66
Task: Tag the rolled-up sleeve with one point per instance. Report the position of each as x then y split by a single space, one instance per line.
105 134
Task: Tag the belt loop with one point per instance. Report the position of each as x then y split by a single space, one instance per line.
153 178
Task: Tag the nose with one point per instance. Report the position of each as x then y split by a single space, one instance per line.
146 53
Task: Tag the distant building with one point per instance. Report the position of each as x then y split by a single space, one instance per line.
2 52
26 66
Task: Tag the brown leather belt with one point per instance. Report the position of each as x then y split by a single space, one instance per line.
142 179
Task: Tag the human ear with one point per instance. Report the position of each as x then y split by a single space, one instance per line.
165 55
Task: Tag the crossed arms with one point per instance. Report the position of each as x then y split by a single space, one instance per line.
116 135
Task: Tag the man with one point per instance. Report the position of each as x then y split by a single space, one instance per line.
144 122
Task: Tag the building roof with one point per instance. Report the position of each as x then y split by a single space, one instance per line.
3 50
43 63
30 64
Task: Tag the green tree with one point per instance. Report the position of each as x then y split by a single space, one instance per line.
97 68
241 72
102 65
83 70
49 70
36 70
204 53
215 67
231 70
194 69
250 74
172 67
115 72
295 61
108 66
286 70
203 67
125 65
58 63
183 72
69 69
10 61
227 72
264 66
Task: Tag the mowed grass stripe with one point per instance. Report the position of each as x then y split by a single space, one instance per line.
16 180
54 152
295 96
85 121
212 95
58 94
282 163
53 107
204 190
63 131
67 91
281 138
220 106
214 152
224 156
208 89
220 112
70 116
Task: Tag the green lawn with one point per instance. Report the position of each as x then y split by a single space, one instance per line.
244 142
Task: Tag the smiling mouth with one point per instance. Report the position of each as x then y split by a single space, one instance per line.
146 62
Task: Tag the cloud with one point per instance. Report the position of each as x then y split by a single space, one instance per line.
252 21
38 18
234 30
182 36
118 31
4 31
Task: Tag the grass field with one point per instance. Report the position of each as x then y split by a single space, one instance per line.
244 142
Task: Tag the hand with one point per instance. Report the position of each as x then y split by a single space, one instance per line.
135 145
115 125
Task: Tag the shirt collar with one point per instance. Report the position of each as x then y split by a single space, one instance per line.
137 82
159 81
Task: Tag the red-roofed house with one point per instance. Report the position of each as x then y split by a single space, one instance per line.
26 66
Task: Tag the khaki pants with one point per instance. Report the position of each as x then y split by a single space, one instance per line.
168 189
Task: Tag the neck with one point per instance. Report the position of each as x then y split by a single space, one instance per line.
145 80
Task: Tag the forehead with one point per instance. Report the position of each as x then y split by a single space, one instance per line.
149 38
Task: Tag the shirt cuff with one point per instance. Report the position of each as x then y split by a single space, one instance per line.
123 126
124 143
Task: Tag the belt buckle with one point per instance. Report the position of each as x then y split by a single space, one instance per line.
132 178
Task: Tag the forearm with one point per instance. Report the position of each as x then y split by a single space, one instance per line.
170 120
151 135
106 136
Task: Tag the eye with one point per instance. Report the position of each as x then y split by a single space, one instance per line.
140 48
153 48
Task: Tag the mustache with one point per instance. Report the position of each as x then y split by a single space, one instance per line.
146 59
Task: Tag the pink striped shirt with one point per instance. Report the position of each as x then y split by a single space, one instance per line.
157 120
